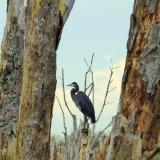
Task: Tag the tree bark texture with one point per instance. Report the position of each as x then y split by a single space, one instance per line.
39 80
44 23
30 41
137 125
11 71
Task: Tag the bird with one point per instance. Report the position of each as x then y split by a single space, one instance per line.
83 102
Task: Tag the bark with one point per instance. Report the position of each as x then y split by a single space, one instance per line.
11 71
138 124
31 37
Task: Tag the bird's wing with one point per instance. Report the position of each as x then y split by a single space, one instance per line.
85 104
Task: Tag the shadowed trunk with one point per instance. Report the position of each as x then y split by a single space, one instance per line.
136 127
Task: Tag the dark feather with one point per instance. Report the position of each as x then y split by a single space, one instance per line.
84 103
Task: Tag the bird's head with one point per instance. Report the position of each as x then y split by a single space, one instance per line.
73 84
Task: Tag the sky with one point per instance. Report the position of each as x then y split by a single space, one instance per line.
99 27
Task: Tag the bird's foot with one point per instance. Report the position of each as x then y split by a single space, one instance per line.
85 131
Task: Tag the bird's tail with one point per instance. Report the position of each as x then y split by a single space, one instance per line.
93 120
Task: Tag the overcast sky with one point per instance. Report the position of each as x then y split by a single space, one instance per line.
93 26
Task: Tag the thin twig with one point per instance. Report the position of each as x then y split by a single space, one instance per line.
89 86
64 97
86 74
91 90
112 89
64 121
89 68
106 94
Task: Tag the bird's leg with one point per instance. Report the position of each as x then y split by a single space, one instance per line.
86 123
85 129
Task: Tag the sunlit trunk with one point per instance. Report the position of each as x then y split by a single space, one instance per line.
137 126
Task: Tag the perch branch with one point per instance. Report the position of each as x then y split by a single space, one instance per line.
64 121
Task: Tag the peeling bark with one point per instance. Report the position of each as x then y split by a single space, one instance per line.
39 79
123 144
31 37
140 95
11 71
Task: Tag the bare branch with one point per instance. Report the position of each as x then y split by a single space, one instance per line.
112 89
86 74
91 90
64 121
99 134
111 81
116 67
89 86
64 97
89 66
110 124
106 94
89 69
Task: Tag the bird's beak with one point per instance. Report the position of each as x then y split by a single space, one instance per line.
69 85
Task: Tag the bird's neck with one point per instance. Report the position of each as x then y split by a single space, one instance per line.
74 90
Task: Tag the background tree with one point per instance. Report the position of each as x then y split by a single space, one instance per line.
136 128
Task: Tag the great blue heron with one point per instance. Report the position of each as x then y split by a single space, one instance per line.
83 102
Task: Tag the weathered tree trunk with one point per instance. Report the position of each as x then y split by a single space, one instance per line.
137 125
39 80
35 46
11 71
44 23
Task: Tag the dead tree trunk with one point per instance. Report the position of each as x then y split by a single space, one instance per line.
137 126
11 71
44 23
35 46
39 80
